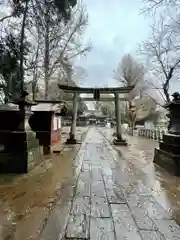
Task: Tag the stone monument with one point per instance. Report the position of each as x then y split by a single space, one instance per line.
168 153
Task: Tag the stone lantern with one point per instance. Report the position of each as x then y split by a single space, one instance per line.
168 153
17 143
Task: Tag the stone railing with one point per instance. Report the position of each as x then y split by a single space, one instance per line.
156 134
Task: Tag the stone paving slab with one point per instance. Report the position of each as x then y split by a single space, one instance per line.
133 187
83 188
111 202
102 228
169 229
142 219
80 206
78 227
152 235
96 174
85 176
85 166
125 226
98 189
100 208
148 204
113 192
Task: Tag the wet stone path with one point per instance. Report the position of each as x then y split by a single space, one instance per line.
108 204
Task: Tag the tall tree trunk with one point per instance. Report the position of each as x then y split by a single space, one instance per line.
34 82
166 93
46 48
21 67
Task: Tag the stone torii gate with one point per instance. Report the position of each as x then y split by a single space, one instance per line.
97 92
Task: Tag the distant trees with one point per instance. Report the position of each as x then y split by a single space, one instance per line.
52 38
10 65
56 94
82 107
79 75
108 108
59 41
146 108
131 73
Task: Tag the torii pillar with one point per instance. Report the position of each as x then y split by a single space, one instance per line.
119 140
72 134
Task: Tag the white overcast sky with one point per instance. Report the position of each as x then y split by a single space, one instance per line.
114 28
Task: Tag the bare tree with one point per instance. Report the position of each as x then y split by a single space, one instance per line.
79 75
62 7
52 38
162 51
59 40
130 72
153 5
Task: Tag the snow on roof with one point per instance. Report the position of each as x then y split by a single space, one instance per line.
45 107
9 107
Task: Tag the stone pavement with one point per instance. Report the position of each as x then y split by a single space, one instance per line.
110 200
138 156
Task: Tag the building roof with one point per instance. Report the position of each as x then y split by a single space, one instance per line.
46 107
9 107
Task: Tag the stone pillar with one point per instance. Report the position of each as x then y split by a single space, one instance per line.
119 140
72 139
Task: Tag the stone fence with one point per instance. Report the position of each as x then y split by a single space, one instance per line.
156 134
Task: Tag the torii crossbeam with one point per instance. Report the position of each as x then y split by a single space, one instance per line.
79 90
91 90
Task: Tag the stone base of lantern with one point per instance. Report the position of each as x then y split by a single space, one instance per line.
71 139
21 153
14 157
168 161
120 142
168 154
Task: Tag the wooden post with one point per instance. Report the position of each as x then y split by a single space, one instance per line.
119 140
72 139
